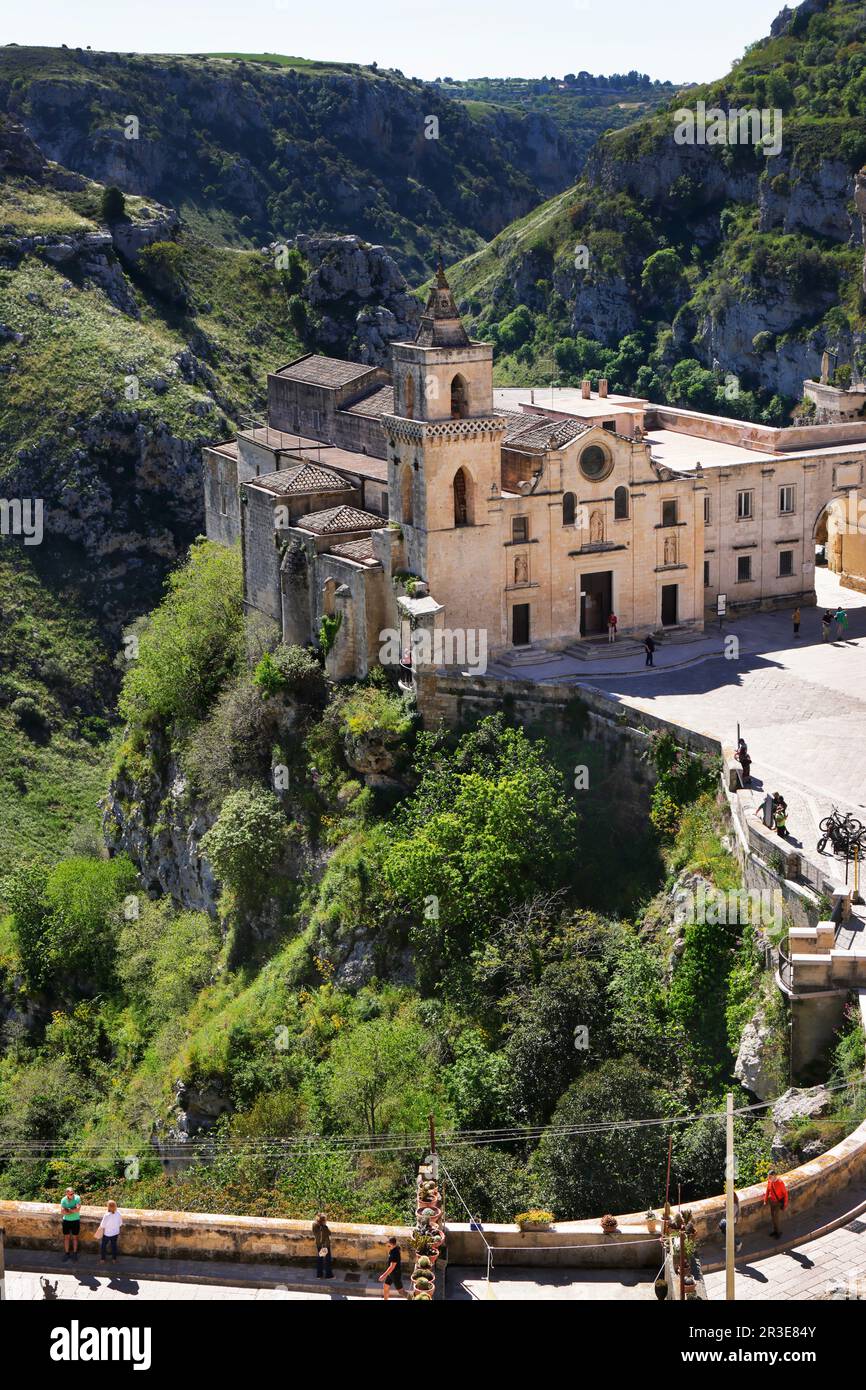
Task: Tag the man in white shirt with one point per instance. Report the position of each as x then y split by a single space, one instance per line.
109 1230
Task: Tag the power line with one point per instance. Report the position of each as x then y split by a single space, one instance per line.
266 1146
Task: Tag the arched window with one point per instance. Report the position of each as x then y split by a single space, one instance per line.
406 510
409 393
620 503
459 398
462 499
568 509
329 589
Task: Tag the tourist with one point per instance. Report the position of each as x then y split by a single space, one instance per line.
776 1198
742 757
611 628
109 1230
780 819
767 810
723 1225
393 1276
841 620
322 1237
826 624
70 1219
649 647
796 619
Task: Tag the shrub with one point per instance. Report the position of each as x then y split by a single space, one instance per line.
192 644
66 920
233 746
291 671
246 841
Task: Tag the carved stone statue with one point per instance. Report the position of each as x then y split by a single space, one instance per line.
670 550
521 570
596 528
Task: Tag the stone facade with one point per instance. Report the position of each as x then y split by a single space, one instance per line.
524 517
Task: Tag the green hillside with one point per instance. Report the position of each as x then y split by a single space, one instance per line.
703 260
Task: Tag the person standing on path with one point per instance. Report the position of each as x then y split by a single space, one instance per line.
766 811
70 1218
723 1226
322 1237
649 647
611 627
826 624
842 620
109 1230
796 621
393 1276
776 1198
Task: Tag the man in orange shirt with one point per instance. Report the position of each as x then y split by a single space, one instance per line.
776 1196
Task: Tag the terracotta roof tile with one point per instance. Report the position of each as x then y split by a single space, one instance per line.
337 519
302 477
379 402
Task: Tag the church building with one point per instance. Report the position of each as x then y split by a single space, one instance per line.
373 506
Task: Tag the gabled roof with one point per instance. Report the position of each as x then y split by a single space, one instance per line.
338 519
324 371
302 478
540 432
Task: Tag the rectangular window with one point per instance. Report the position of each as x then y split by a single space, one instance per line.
706 509
609 425
224 499
706 574
786 499
520 529
786 564
744 569
669 513
744 505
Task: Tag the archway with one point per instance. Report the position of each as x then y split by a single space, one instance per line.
463 498
409 395
459 398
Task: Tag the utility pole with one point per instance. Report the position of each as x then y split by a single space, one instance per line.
730 1295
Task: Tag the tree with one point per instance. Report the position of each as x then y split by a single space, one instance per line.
192 644
612 1170
112 204
483 832
377 1075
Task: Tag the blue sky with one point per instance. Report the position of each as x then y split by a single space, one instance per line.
675 39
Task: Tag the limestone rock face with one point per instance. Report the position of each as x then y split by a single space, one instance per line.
159 824
345 273
798 1104
750 1067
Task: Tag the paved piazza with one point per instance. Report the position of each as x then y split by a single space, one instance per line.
801 704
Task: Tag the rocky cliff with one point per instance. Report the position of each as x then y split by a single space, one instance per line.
248 150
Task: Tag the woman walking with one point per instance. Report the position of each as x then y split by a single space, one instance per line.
322 1237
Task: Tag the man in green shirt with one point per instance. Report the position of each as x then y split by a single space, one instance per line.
70 1217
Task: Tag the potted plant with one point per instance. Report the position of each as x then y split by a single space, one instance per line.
609 1224
651 1221
534 1219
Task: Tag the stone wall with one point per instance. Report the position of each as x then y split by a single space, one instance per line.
271 1240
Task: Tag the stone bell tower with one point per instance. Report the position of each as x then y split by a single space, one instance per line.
444 447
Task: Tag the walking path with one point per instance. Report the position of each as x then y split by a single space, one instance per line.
133 1277
829 1265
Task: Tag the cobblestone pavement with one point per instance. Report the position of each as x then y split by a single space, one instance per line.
833 1266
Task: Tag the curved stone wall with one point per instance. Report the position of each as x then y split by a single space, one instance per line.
272 1240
